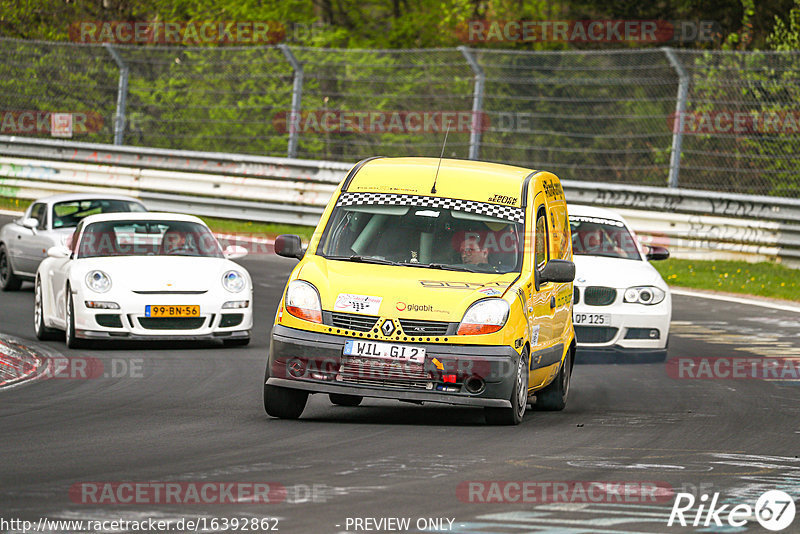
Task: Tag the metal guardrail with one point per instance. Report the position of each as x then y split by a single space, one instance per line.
694 224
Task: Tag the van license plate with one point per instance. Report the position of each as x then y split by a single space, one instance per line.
387 351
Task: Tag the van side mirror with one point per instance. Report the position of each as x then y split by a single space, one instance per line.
657 253
289 246
558 271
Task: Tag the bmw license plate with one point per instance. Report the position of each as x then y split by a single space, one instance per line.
598 319
172 311
388 351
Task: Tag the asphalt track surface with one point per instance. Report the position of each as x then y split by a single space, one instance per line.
194 414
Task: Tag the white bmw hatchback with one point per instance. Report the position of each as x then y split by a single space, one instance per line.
621 303
143 276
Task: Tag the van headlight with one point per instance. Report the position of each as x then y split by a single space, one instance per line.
98 281
233 281
484 317
647 295
302 301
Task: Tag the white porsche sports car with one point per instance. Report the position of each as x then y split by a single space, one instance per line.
621 303
143 276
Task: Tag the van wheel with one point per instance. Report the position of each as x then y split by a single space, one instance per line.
345 400
519 399
283 403
8 280
42 332
553 398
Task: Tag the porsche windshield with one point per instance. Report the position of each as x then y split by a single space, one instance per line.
148 238
421 236
68 214
594 236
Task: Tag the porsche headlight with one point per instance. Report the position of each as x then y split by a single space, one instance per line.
647 295
302 301
233 281
484 317
98 281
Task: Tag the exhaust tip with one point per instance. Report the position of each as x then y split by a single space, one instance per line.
474 384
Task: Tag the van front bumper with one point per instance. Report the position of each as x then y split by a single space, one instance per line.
315 362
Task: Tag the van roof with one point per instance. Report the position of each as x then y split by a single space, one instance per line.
460 179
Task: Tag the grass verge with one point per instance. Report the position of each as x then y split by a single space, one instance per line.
761 279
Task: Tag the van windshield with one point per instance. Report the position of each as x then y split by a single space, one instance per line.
434 233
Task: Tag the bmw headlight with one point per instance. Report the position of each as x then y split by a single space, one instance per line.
233 281
647 295
484 317
302 301
98 281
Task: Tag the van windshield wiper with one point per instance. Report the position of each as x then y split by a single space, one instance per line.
362 259
442 266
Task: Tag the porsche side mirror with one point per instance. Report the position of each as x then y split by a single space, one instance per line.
234 252
30 223
657 253
58 251
289 246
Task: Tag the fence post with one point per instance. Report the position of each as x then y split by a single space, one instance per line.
297 94
122 94
477 104
680 109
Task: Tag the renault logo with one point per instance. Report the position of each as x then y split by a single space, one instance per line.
387 327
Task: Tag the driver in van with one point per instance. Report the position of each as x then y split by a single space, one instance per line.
472 252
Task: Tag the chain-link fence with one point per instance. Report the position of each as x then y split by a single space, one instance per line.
605 116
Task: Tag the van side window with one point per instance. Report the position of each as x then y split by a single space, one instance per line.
540 247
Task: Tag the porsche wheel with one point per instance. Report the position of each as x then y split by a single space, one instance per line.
42 332
8 280
72 341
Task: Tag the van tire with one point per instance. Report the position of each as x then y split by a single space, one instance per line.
553 398
284 403
340 399
519 398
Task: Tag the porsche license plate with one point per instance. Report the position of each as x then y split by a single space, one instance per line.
172 311
386 351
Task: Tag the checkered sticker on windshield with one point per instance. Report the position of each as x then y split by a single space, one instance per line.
509 213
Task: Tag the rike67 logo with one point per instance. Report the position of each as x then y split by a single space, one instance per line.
774 510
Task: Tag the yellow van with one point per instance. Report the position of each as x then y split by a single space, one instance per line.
430 280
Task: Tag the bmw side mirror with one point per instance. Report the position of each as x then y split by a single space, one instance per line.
558 271
289 246
657 253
